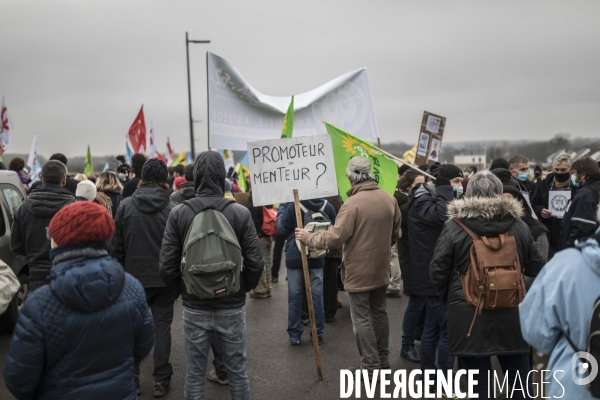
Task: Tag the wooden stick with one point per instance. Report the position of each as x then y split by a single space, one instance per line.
379 143
393 157
311 310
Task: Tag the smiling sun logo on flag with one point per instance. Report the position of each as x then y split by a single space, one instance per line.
353 146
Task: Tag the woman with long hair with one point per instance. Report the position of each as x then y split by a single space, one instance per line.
109 184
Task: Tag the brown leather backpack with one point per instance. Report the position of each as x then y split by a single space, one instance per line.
494 280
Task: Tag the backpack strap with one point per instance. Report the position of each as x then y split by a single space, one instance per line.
303 208
470 232
322 209
198 206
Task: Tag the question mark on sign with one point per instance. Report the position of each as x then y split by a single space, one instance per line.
324 170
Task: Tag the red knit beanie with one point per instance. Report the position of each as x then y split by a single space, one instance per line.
81 222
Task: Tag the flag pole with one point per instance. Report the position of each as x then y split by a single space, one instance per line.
393 157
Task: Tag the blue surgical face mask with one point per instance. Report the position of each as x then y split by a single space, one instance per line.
458 190
522 176
574 181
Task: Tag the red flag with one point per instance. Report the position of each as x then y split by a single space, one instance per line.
137 133
161 158
170 153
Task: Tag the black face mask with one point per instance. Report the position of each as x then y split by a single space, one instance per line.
562 177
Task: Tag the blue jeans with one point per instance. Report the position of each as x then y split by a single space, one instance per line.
295 279
435 336
230 327
414 320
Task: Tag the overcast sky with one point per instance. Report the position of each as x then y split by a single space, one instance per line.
77 72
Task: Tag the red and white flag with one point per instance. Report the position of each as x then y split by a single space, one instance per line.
5 127
170 153
152 141
137 133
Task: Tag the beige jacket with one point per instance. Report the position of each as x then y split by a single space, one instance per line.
366 227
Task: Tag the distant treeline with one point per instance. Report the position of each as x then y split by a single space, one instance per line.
536 151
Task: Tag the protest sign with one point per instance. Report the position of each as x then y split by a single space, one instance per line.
279 166
238 113
430 138
558 202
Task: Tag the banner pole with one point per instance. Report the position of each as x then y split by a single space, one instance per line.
393 157
311 310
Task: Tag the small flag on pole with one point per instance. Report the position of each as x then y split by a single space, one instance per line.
288 121
32 161
151 141
129 153
170 153
137 133
106 167
5 127
89 165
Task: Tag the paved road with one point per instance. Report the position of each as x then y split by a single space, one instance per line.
276 369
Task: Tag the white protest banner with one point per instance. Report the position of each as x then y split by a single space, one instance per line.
558 202
279 166
238 113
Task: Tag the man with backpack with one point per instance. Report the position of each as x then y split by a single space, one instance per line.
264 218
316 212
139 225
207 266
367 226
477 268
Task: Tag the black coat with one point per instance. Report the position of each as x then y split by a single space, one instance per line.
139 227
580 221
403 248
427 213
539 201
186 192
130 187
209 182
28 235
495 332
115 199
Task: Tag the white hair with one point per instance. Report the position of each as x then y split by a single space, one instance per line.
358 177
563 158
484 184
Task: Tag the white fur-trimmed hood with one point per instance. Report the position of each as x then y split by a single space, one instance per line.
486 207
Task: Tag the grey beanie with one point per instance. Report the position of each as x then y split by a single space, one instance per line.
87 190
228 186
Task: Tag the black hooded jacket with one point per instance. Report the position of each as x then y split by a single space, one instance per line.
186 192
209 182
580 221
427 213
28 235
139 226
539 201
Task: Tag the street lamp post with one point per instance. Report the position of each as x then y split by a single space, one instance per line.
187 53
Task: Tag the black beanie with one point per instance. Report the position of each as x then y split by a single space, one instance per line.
402 169
449 171
154 170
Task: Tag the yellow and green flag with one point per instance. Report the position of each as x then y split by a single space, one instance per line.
242 172
288 121
89 165
346 146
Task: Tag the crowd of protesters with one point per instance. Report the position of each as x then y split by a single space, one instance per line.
107 261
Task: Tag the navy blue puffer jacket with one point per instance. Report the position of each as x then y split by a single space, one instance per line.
79 336
286 226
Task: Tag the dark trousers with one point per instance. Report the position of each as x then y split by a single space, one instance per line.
37 277
160 301
277 252
510 365
330 289
435 337
414 320
215 345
